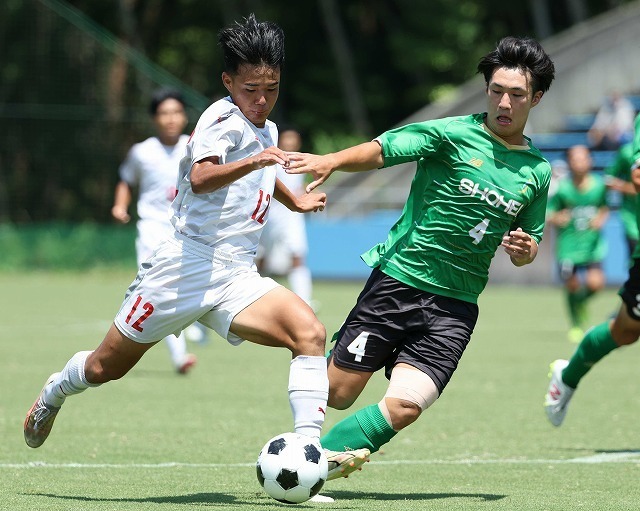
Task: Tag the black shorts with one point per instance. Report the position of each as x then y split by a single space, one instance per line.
630 291
393 322
567 269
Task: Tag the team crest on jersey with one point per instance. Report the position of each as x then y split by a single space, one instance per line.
476 162
526 186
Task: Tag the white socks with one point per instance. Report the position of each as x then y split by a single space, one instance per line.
300 282
177 349
308 394
69 381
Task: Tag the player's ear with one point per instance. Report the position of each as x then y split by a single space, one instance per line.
536 98
226 80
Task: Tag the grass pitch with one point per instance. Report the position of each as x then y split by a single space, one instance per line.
158 441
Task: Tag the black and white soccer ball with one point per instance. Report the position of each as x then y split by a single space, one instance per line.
292 468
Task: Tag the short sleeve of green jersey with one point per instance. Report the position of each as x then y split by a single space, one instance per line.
412 142
621 165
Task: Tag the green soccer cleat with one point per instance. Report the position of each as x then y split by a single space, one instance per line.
341 464
40 417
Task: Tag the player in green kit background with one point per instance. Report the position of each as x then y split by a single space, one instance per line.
479 185
579 210
602 339
618 178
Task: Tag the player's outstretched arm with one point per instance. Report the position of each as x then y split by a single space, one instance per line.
209 175
520 246
302 204
358 158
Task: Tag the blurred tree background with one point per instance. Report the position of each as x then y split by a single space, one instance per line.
76 77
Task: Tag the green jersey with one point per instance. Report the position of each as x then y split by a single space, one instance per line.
636 163
621 168
577 241
470 188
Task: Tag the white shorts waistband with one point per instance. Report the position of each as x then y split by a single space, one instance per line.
210 253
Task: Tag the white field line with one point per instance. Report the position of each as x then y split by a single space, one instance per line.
614 457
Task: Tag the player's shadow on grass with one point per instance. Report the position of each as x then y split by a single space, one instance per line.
339 495
223 498
191 498
630 451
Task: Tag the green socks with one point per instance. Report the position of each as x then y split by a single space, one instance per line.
365 428
577 306
595 345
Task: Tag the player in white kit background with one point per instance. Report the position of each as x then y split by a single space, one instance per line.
205 272
283 245
151 168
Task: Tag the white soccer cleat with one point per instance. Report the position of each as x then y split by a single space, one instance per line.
343 463
39 420
323 499
187 364
558 394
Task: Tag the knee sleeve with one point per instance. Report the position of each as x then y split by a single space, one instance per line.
412 385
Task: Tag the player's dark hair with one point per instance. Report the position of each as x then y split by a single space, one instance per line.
252 42
161 95
523 53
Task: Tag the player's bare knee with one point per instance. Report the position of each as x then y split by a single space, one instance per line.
311 339
627 337
403 413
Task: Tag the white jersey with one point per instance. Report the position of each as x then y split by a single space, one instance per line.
152 167
229 219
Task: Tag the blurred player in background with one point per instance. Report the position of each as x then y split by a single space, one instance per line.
479 185
283 246
151 167
602 339
578 211
205 271
618 178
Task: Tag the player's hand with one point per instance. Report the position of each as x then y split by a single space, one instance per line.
562 218
597 222
614 183
120 214
270 156
308 202
520 246
305 163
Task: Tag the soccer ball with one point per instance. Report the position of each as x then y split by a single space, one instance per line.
292 468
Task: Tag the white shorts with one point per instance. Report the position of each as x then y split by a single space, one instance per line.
183 282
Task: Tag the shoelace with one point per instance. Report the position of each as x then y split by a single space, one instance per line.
41 415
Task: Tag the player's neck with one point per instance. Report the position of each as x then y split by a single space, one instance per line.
580 181
168 140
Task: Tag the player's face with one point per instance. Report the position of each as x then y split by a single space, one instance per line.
579 160
289 140
254 89
510 98
170 120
